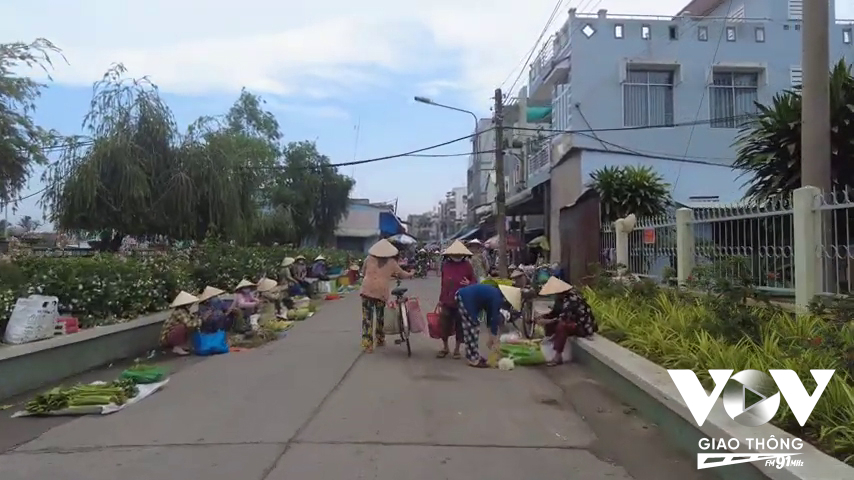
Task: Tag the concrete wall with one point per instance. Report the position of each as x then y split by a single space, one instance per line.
33 365
566 186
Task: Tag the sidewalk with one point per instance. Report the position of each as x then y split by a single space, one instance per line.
311 406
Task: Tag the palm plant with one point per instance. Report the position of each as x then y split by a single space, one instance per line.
630 189
769 145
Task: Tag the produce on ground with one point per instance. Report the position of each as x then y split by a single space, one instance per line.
523 355
299 314
142 373
100 394
278 325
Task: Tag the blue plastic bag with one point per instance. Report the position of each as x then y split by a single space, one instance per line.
205 344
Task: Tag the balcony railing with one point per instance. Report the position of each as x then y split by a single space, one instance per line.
539 160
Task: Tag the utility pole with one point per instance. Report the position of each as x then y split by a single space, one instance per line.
815 109
500 194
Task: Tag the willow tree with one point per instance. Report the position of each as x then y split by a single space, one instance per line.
22 141
136 174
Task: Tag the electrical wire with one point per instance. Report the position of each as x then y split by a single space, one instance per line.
623 129
545 29
702 97
658 155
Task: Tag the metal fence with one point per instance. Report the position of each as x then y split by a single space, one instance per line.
836 246
747 243
652 246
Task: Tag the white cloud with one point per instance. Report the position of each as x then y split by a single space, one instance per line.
318 111
314 49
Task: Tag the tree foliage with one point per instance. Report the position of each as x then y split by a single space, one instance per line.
228 176
630 189
769 146
22 141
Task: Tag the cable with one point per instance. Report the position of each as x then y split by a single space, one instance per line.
621 129
703 96
653 155
533 48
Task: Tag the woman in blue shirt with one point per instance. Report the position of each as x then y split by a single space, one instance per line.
489 300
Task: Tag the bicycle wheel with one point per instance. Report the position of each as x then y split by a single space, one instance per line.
403 322
528 325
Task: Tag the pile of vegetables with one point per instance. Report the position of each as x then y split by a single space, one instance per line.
523 354
299 314
95 394
143 374
278 325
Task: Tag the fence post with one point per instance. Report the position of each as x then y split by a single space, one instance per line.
684 245
806 223
621 244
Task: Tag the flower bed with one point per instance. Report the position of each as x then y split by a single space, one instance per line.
109 287
720 330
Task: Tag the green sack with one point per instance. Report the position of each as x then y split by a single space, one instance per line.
523 355
144 376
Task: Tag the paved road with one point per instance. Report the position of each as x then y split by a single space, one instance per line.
312 406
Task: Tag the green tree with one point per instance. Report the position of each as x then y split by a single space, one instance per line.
137 174
630 189
769 146
22 141
29 224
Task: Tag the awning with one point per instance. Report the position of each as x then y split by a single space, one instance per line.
537 114
465 234
527 202
390 224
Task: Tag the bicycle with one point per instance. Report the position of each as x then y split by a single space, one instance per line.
399 294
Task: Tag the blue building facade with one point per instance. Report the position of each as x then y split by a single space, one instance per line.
666 88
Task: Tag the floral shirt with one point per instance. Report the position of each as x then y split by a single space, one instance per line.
573 309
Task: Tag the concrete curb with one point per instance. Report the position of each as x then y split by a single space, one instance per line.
33 365
653 382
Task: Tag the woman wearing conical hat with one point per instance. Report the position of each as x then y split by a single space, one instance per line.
380 268
456 272
246 303
176 330
570 316
479 259
485 301
211 309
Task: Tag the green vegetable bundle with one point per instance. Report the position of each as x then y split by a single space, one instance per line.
523 355
50 401
143 374
81 396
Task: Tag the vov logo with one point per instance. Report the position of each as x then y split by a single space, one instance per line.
750 397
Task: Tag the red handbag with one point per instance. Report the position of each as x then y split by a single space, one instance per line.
434 322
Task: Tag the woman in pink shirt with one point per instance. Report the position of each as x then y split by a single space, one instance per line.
380 267
456 272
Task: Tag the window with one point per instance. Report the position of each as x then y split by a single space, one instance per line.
759 34
645 32
648 98
703 34
730 34
846 36
732 96
674 33
618 30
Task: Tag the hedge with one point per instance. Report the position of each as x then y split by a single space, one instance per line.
107 288
722 330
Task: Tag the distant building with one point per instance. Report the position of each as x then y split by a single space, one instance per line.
365 224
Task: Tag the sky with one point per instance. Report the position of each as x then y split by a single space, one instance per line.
322 67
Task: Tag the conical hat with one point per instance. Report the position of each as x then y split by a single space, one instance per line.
288 261
183 299
299 257
210 292
513 296
457 248
355 267
554 286
474 242
383 249
517 273
266 284
319 257
243 284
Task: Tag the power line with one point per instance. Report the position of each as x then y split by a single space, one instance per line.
622 129
534 47
703 96
655 155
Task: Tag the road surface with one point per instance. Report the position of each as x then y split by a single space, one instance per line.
312 406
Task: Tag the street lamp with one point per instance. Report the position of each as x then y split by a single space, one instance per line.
428 101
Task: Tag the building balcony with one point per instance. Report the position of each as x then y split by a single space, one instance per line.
550 66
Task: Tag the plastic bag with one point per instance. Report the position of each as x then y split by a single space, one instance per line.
434 322
143 376
33 318
391 327
548 349
323 286
417 324
205 344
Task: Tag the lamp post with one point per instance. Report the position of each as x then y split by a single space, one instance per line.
475 141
